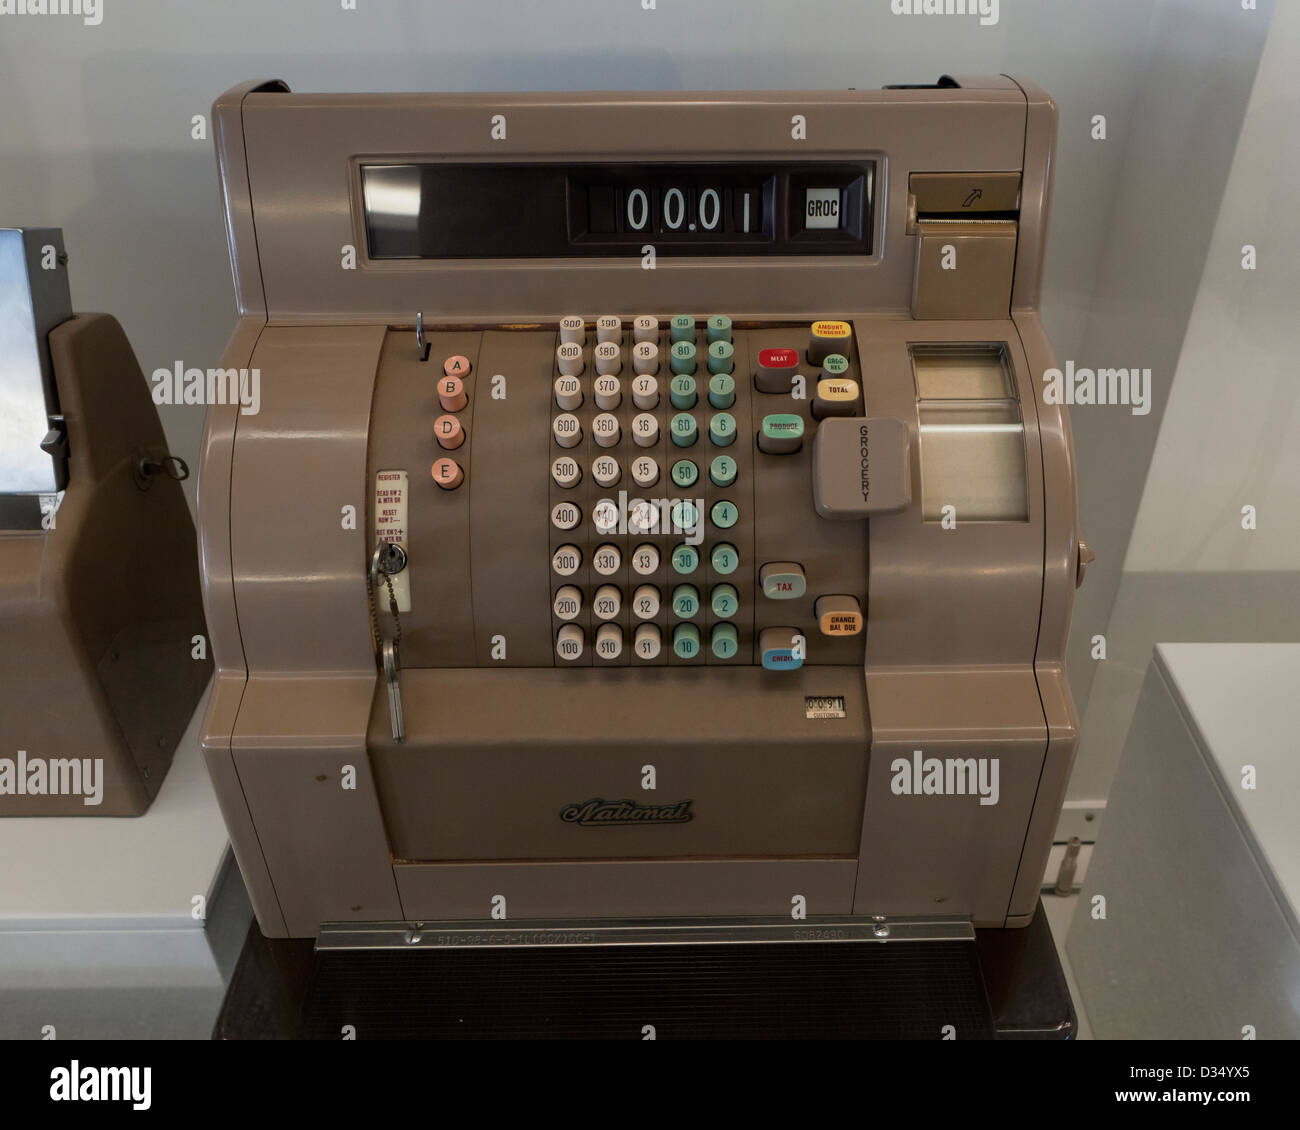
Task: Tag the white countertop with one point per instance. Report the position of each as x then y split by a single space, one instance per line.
1243 702
118 873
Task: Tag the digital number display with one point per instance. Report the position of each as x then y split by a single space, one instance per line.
451 211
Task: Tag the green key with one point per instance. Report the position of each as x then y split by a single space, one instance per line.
722 429
835 365
681 390
719 328
683 430
686 641
685 473
685 516
682 328
683 357
724 642
686 603
721 357
724 514
685 559
722 391
724 600
782 433
723 471
724 558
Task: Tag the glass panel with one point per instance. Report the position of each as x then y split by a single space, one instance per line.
973 459
961 372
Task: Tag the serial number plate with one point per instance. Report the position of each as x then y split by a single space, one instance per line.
824 706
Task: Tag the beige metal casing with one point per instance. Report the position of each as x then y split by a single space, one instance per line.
963 650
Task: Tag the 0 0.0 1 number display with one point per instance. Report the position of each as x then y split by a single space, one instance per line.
681 209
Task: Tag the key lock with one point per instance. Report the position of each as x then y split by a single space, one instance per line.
386 562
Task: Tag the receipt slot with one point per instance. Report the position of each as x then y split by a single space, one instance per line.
649 526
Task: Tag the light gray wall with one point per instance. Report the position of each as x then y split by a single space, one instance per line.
1230 435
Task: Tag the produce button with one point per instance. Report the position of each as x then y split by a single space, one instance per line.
781 434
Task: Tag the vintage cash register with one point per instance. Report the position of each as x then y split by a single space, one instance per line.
103 654
652 512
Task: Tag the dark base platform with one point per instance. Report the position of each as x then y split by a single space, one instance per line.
1007 984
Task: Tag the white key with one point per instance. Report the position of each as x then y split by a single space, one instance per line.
647 641
645 429
573 330
645 471
568 602
645 392
609 641
568 358
645 602
604 428
645 327
569 641
609 358
607 603
566 472
566 560
604 516
605 471
607 560
609 393
609 327
568 393
645 358
645 560
565 516
567 430
642 516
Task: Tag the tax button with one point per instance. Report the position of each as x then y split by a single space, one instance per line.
782 580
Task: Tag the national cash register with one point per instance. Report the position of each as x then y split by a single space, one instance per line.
652 511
